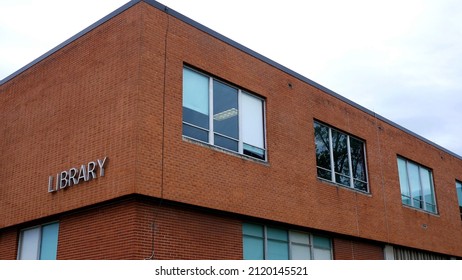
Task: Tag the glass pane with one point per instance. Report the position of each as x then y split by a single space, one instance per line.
49 244
321 254
254 152
225 110
414 180
406 200
300 252
416 202
360 185
226 143
459 192
277 234
343 180
195 118
277 250
321 248
321 135
325 174
299 237
427 187
358 163
195 98
252 229
430 207
196 133
29 242
340 149
252 121
321 242
403 179
253 248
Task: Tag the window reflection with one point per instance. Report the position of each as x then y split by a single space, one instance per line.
323 160
222 115
342 155
416 183
225 116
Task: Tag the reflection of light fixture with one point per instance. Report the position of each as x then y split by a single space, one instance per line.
225 114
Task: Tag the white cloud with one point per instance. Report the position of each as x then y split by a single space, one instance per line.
397 58
30 28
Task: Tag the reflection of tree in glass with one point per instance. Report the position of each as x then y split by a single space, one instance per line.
322 151
340 149
338 142
357 159
341 165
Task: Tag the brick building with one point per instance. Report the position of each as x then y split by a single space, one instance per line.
150 136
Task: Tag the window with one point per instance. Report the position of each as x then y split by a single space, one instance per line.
270 243
416 184
39 243
340 158
402 253
222 115
459 196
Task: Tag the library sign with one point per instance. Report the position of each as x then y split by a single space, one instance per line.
74 176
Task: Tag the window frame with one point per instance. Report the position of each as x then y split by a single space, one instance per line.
211 132
459 198
40 240
290 242
333 178
421 187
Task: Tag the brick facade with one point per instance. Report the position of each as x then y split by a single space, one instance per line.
116 91
348 249
139 228
8 243
129 228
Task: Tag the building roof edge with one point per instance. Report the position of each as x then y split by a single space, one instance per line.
291 72
233 43
70 40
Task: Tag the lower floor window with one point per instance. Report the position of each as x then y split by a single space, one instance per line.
270 243
402 253
39 243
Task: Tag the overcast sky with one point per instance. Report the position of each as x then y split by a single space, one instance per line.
400 59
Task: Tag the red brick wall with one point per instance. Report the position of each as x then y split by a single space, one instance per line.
75 106
105 232
286 188
123 230
186 234
8 244
117 92
345 249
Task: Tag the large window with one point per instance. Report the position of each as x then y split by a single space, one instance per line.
222 115
416 184
39 243
340 158
269 243
459 196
